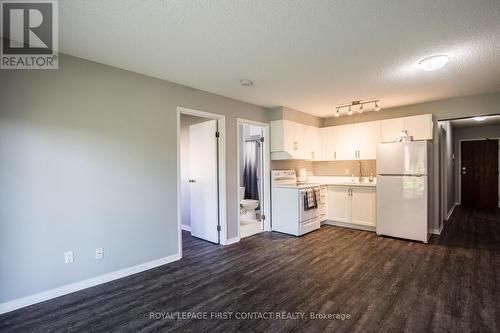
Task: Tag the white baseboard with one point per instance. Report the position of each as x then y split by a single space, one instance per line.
437 231
350 225
231 241
70 288
186 227
450 212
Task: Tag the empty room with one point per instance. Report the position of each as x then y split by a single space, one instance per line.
249 166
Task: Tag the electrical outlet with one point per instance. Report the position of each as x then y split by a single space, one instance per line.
68 257
99 253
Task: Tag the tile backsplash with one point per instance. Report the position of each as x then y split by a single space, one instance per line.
329 168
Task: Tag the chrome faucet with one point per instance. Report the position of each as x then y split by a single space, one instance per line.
360 179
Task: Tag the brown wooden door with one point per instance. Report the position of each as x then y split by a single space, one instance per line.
479 172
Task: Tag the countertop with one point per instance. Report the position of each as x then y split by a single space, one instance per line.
341 181
330 180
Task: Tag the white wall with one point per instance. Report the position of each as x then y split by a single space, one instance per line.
448 181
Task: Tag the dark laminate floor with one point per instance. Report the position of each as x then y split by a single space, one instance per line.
385 284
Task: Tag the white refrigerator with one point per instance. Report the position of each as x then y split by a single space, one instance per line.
404 193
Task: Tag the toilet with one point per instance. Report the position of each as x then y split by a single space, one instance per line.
248 206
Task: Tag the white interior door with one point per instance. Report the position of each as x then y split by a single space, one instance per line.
203 181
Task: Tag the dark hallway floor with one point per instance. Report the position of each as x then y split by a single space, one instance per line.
383 284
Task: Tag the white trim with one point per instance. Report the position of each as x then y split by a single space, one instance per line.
437 231
450 212
232 241
266 172
221 124
84 284
460 167
186 227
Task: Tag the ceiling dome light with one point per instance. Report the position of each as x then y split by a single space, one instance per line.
377 107
246 83
349 113
360 110
479 118
434 62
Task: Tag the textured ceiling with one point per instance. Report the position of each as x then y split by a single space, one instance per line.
469 122
308 55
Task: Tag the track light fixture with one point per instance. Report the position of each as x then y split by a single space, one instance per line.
359 105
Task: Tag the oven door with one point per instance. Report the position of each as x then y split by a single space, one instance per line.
304 214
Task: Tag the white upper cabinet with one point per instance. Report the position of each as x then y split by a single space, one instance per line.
420 127
390 129
347 142
314 143
358 141
328 137
368 136
291 140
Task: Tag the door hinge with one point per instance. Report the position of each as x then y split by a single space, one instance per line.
261 139
218 228
217 134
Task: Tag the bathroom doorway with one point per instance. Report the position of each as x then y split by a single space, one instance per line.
253 178
201 176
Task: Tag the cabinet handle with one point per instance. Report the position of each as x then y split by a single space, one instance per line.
334 155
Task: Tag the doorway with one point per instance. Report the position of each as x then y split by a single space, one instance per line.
201 175
479 173
253 178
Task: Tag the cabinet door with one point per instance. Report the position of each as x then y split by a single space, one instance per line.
315 144
277 136
347 142
368 139
328 143
390 129
420 127
363 206
300 141
339 204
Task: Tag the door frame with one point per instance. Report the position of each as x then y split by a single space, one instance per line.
266 163
221 161
443 174
460 166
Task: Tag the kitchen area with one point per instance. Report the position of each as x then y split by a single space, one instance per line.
374 176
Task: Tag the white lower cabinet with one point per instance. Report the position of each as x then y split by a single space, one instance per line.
339 203
364 205
353 205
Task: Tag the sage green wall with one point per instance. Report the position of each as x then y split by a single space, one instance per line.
88 158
